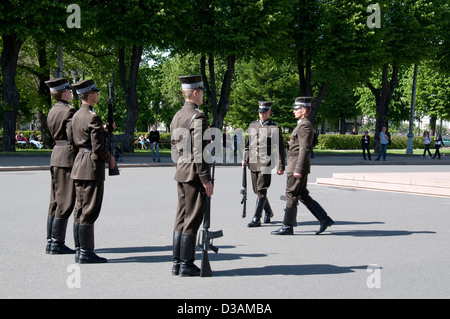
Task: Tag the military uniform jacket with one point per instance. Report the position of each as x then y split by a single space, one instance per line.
300 146
187 128
259 146
58 120
86 133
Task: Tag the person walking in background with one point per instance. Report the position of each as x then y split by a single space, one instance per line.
365 143
154 143
384 142
426 143
437 144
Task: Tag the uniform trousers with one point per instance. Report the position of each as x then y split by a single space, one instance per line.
89 201
260 182
62 193
296 190
191 206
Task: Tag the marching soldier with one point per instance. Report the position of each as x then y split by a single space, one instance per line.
192 175
263 135
88 135
298 168
62 188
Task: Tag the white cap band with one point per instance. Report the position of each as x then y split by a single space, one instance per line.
59 88
187 86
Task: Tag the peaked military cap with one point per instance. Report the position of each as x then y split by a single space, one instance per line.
264 106
191 82
305 101
58 84
84 86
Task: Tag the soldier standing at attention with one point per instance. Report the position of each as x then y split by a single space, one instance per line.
258 155
62 189
88 135
298 168
192 175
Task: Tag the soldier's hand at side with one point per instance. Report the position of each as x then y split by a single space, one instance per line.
209 188
297 175
112 162
280 172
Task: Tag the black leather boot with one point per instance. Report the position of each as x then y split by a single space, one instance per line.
87 255
268 212
76 239
321 215
49 233
58 247
187 256
256 220
176 253
289 222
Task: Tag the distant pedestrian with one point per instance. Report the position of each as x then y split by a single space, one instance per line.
384 142
365 143
437 144
154 143
426 143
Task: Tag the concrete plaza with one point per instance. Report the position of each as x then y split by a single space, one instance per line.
383 244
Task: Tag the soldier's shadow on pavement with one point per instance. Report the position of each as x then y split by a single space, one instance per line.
294 270
147 256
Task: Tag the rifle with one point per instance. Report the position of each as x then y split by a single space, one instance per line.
111 145
244 191
206 236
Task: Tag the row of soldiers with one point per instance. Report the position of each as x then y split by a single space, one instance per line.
77 167
78 170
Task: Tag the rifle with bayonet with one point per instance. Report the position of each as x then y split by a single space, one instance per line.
244 190
205 240
111 145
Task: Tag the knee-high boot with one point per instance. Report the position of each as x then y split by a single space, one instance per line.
256 220
268 212
176 253
87 255
49 233
187 256
289 222
321 215
76 239
59 228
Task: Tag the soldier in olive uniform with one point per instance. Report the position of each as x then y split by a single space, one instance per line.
62 189
298 168
88 135
192 175
260 160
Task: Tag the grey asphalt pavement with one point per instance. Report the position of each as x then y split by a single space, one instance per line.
383 245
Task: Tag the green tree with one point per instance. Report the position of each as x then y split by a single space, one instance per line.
223 31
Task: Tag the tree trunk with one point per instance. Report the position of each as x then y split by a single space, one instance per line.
218 109
304 74
383 98
11 96
44 91
129 88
